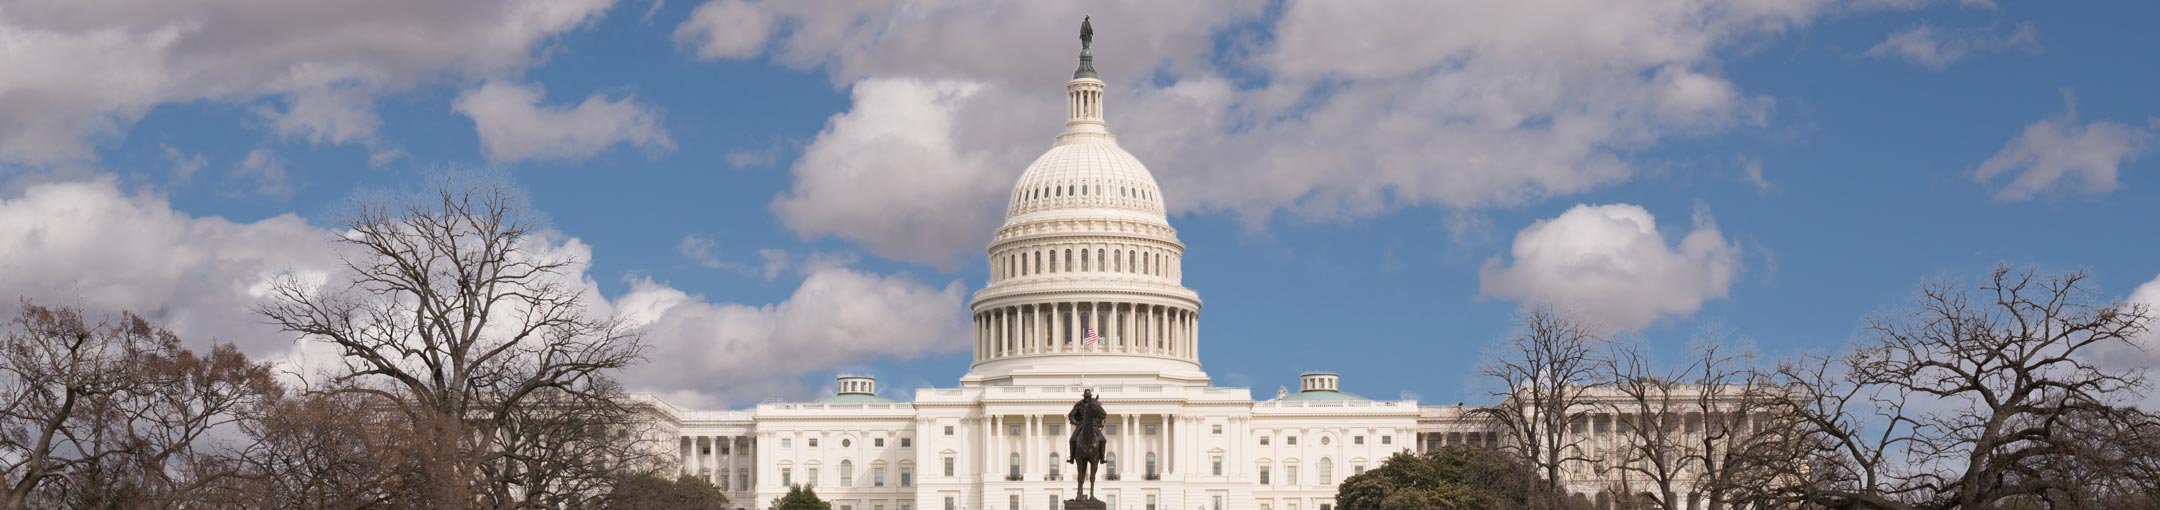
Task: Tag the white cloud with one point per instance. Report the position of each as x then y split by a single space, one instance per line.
1610 264
1937 48
265 172
887 174
184 165
1367 106
88 244
514 126
2057 152
78 73
740 353
725 29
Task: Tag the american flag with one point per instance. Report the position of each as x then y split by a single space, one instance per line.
1093 338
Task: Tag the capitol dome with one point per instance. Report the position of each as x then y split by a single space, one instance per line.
1085 273
1086 173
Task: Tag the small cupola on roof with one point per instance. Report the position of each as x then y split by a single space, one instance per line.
1320 386
855 389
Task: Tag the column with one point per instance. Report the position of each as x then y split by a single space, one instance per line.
1057 322
1170 444
1196 336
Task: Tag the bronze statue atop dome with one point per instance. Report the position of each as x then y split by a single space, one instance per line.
1087 33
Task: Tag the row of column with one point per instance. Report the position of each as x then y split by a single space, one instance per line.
1126 328
725 461
1131 446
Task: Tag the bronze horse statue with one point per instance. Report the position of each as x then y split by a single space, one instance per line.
1087 441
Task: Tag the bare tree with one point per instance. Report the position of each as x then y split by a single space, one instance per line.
1542 375
1689 428
115 414
1651 405
456 317
2009 400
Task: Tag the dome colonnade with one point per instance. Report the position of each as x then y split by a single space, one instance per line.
1086 246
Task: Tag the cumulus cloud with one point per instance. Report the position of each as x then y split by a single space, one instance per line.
740 353
77 73
890 175
1937 48
2058 152
1364 107
1610 264
514 126
87 243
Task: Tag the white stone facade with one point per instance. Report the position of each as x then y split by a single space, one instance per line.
1086 245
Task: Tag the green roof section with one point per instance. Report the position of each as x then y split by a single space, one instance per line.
855 398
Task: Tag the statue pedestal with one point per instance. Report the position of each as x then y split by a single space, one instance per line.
1085 504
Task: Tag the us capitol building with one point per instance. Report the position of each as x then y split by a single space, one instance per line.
1085 246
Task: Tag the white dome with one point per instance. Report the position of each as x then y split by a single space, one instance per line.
1087 173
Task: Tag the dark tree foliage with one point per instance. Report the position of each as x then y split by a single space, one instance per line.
1456 477
649 492
800 498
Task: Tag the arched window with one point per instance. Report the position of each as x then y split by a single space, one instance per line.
1013 471
1038 262
1117 261
1054 467
1084 261
1068 259
1326 470
1132 261
847 473
1100 257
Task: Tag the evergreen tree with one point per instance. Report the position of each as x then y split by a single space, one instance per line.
800 498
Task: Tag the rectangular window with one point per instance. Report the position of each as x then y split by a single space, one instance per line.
877 476
743 480
1290 505
948 430
1218 429
1012 430
1053 502
879 442
907 442
813 442
787 476
948 466
812 476
1218 502
907 476
1012 502
1263 440
1387 440
1289 474
1263 475
1151 502
1056 430
1358 470
1290 440
949 503
725 449
1357 439
1109 430
1150 430
1218 465
787 443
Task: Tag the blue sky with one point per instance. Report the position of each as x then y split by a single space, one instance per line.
786 190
